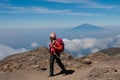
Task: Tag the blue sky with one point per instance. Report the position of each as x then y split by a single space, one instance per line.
58 13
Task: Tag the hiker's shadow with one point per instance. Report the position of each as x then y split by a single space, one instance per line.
68 72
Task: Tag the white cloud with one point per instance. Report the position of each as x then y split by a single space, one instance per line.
70 1
88 4
60 12
72 45
86 43
80 14
90 45
118 36
6 50
100 6
60 1
80 55
6 8
46 10
35 44
116 41
94 50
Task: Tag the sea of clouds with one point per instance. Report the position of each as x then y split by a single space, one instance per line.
7 50
80 46
83 46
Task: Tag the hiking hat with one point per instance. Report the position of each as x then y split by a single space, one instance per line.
53 35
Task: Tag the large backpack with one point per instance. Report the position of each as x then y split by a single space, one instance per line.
61 44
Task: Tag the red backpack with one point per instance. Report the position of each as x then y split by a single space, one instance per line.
61 44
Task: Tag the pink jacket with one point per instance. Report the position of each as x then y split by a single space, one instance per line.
55 48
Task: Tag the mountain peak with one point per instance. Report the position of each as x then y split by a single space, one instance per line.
87 27
86 24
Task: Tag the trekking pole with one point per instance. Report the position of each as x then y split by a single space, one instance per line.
57 56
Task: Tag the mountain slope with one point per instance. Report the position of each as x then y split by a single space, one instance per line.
34 65
34 59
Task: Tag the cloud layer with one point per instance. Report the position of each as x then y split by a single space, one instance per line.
6 8
85 46
34 45
9 8
87 4
6 50
80 47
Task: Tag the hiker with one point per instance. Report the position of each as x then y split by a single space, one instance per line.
54 48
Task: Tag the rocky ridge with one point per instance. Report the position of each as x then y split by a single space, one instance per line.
103 65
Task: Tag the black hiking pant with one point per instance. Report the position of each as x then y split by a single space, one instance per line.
52 59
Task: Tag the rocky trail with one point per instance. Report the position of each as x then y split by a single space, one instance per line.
34 65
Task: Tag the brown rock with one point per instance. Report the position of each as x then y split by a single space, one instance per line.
105 73
86 61
36 66
5 67
43 69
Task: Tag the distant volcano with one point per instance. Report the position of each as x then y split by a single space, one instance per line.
87 27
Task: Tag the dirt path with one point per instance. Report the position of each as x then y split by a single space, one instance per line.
75 74
43 75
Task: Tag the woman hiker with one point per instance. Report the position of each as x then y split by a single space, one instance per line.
54 49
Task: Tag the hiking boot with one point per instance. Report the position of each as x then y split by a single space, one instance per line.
65 73
61 72
51 75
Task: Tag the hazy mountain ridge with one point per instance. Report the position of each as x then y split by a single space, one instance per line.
87 27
